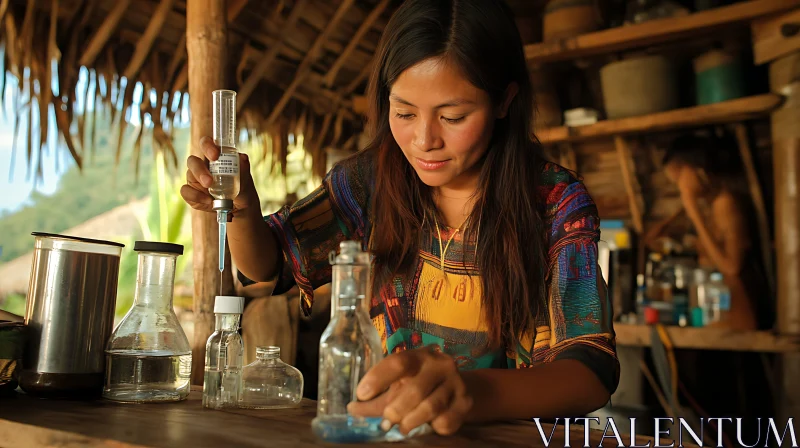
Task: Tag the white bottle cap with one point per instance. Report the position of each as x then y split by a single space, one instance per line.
228 305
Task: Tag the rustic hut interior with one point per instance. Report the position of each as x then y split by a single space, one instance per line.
624 91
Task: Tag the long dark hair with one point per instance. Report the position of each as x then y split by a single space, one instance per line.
481 38
717 156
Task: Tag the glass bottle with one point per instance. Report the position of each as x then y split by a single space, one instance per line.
224 355
348 348
718 300
148 357
224 170
269 383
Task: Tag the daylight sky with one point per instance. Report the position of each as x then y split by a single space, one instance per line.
16 189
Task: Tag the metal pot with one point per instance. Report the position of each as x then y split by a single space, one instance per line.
70 314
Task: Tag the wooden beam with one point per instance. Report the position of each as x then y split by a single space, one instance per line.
758 200
785 137
206 39
776 36
365 71
310 92
723 112
177 58
708 338
148 38
98 41
258 72
235 7
311 56
362 30
632 188
656 31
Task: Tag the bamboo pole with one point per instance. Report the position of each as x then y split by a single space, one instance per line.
305 66
206 44
258 72
103 33
363 74
351 46
148 39
758 200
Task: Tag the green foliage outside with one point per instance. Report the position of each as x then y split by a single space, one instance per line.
80 196
163 222
104 185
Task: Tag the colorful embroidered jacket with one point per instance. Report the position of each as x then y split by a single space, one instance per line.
443 308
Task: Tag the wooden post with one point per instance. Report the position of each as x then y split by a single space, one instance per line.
632 187
206 45
785 78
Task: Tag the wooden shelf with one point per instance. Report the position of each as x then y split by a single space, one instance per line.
724 112
708 339
656 31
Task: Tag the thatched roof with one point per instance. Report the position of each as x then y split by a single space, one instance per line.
296 64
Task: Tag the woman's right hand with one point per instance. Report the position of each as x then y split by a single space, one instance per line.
198 180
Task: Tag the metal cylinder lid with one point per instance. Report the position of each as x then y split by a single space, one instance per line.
157 246
222 204
77 238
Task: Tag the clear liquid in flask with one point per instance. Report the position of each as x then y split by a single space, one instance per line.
145 377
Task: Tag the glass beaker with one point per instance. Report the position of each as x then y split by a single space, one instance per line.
269 383
348 348
148 357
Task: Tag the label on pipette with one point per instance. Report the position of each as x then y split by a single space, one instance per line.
226 165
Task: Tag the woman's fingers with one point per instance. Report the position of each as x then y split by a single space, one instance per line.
376 406
437 403
199 170
415 391
210 150
196 199
387 372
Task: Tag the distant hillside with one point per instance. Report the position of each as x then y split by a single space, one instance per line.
117 223
81 196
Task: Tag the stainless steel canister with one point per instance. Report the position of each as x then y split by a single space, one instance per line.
70 314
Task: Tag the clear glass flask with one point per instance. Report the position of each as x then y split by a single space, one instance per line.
348 348
269 383
148 357
222 382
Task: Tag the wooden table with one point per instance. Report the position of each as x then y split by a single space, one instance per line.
30 422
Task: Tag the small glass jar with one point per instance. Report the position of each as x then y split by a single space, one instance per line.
269 383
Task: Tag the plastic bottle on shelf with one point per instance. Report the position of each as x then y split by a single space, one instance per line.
718 298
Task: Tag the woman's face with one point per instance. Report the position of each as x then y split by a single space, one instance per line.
441 122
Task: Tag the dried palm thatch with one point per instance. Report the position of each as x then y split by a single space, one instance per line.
54 91
89 65
296 63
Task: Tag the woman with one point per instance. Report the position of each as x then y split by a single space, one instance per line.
485 256
709 177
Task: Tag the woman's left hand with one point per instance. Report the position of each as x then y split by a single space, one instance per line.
412 388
